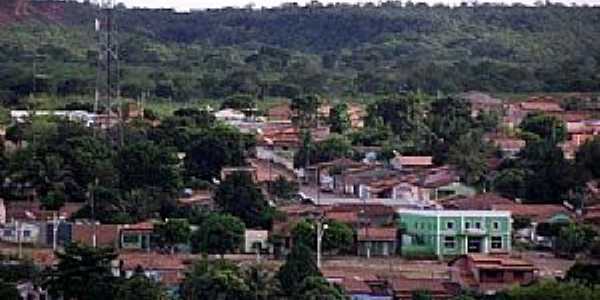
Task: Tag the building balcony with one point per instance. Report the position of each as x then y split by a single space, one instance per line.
473 231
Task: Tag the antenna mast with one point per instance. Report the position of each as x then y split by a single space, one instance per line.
107 74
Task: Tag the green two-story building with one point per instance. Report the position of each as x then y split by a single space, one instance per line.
454 232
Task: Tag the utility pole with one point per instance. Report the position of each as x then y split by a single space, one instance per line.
19 231
55 225
93 208
321 227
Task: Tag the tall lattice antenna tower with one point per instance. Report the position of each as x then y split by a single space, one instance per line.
108 90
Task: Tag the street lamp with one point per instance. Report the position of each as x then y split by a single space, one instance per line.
321 227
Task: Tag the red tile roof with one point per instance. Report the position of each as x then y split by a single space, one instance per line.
153 261
44 257
369 210
507 143
499 262
537 212
421 161
389 234
477 202
438 288
541 105
342 216
353 282
106 235
32 210
142 226
280 112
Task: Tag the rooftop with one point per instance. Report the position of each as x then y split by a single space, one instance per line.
499 262
541 105
377 234
538 212
421 161
478 202
152 261
455 213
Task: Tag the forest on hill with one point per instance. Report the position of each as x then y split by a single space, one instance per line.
334 50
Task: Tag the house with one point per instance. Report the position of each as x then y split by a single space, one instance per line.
285 136
256 240
371 214
328 173
454 232
281 112
200 199
32 210
373 241
490 274
357 114
269 171
26 232
372 181
358 285
101 235
2 212
166 269
136 236
229 114
508 146
251 171
536 214
481 102
438 289
515 113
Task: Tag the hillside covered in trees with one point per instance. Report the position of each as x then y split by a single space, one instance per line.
334 50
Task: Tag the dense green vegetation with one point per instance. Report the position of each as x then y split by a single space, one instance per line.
336 50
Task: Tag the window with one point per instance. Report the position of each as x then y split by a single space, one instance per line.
496 242
450 225
467 225
26 233
449 242
478 225
496 225
131 239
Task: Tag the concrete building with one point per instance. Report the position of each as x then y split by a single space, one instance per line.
254 239
455 232
21 231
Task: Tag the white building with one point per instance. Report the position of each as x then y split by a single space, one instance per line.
24 232
2 212
254 239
